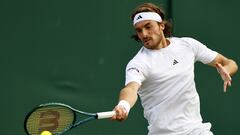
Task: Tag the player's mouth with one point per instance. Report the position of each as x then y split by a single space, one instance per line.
146 40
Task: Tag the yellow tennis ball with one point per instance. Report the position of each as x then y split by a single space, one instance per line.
46 133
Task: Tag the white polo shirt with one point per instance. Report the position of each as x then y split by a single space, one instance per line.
168 93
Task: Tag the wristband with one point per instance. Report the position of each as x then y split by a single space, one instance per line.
125 105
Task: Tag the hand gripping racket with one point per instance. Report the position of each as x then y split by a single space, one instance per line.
58 118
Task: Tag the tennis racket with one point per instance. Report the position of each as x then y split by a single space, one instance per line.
58 118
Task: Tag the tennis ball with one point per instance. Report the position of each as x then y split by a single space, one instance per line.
46 133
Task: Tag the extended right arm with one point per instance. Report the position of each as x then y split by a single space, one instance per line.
127 99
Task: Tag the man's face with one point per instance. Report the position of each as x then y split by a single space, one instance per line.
150 33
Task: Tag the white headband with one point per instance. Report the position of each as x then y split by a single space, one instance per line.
146 16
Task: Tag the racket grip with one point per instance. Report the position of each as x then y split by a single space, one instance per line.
104 115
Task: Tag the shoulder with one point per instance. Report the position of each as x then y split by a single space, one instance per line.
140 59
191 41
141 56
188 39
185 40
188 42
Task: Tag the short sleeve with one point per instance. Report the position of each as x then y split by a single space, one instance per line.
201 52
135 73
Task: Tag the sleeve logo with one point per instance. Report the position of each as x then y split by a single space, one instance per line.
133 68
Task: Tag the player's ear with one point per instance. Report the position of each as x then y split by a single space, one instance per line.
162 26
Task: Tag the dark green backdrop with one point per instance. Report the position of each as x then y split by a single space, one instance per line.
75 52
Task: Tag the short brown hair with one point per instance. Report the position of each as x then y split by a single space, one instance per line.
150 7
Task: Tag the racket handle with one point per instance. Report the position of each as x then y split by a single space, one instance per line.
104 115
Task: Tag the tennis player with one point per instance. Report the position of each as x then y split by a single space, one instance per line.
162 74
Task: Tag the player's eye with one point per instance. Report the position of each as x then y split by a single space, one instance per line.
138 30
148 27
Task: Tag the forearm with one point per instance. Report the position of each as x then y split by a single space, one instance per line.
128 94
228 64
127 99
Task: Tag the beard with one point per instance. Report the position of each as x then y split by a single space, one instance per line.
150 43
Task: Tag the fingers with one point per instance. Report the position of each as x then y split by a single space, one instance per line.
222 71
121 114
219 67
229 83
225 76
225 84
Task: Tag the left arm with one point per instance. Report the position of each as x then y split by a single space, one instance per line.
225 67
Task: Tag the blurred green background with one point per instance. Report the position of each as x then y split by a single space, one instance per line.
75 52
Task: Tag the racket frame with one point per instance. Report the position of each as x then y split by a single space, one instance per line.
75 123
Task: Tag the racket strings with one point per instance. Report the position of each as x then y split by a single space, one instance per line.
51 118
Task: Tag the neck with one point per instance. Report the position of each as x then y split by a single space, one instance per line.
164 42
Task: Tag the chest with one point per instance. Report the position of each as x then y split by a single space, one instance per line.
171 63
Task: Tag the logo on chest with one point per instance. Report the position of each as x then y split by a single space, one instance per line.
175 62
